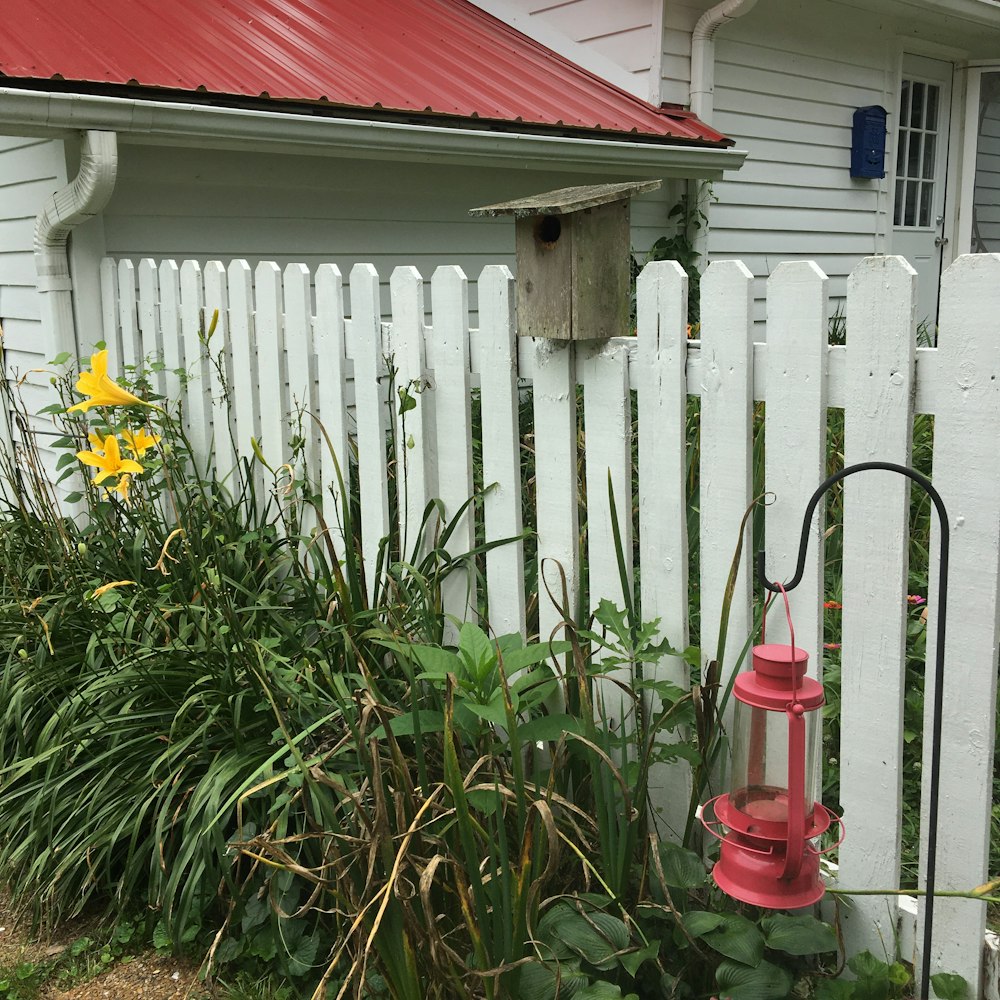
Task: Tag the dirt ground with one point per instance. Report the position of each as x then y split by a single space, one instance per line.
144 977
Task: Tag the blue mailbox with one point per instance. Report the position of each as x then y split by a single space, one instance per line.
868 142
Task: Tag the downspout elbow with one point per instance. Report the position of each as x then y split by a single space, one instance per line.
702 56
83 198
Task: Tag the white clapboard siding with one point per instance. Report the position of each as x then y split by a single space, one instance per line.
453 416
967 475
279 357
607 413
661 391
726 433
878 427
556 491
499 399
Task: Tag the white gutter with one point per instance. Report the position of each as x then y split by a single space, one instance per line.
26 112
74 204
703 104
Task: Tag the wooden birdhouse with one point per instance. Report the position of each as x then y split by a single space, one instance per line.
573 260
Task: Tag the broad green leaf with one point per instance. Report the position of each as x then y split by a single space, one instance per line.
493 712
612 618
835 989
542 981
631 960
596 937
740 982
801 935
898 974
737 938
866 966
303 957
603 991
405 725
548 727
699 922
949 986
518 659
476 650
682 869
434 661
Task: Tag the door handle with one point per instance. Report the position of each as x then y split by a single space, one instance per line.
941 241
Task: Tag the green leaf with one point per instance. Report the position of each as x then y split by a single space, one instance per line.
737 938
631 960
405 725
682 869
602 991
435 661
700 922
949 986
61 358
548 728
542 980
518 659
801 935
302 958
835 989
596 937
493 712
476 650
740 982
612 618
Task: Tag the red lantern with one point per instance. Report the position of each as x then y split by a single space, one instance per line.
771 817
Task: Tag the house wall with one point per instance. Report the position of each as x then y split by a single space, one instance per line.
785 90
213 204
30 170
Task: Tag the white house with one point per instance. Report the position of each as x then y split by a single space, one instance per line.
331 131
783 78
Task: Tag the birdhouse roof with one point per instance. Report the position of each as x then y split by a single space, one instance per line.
565 201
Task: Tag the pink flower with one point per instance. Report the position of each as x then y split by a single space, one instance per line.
831 645
915 599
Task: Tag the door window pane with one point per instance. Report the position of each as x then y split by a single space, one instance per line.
916 153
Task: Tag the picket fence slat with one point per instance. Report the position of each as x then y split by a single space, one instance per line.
243 355
499 403
217 348
282 354
110 325
726 456
556 517
331 363
878 425
967 475
415 426
453 415
128 320
795 445
169 280
198 409
661 391
372 417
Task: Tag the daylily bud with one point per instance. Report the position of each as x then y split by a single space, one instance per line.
81 547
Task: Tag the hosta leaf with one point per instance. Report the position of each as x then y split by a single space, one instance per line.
604 991
596 937
740 982
631 960
548 727
801 935
835 989
543 980
699 922
682 869
949 986
737 938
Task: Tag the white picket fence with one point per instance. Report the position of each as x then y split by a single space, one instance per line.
286 341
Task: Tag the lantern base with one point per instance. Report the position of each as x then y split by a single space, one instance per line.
751 871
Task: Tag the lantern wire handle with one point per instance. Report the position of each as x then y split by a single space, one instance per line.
941 615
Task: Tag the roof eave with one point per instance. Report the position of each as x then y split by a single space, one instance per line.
50 114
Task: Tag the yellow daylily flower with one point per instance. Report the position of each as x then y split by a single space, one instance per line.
139 442
122 488
101 388
112 586
111 462
96 441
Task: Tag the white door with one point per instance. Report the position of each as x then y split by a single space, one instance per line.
922 127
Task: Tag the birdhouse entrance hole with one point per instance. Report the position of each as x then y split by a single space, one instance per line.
548 229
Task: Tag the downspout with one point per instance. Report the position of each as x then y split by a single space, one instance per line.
703 104
74 204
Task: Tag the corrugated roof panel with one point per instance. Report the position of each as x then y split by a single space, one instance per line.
442 57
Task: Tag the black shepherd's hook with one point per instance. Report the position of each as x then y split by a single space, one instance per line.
941 613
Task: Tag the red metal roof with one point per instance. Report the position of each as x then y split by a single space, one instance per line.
391 57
